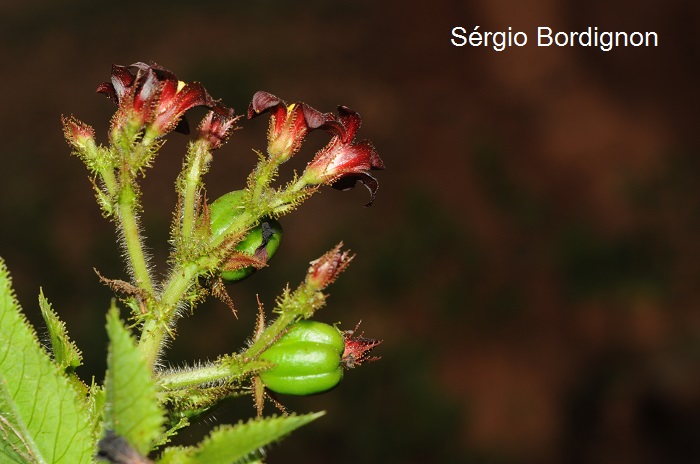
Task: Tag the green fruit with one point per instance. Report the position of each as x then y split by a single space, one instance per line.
262 241
307 360
224 210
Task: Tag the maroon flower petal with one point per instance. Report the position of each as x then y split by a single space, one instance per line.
122 79
147 89
314 118
106 88
262 102
351 120
349 181
172 109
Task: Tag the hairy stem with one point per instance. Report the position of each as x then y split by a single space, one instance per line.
158 322
224 370
128 221
302 303
110 181
198 159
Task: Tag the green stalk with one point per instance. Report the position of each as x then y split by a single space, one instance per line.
110 180
130 228
300 304
264 174
158 322
198 160
228 369
270 334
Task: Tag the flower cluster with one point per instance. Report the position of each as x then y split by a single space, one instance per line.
151 98
341 163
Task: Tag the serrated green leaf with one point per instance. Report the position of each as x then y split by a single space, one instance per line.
175 455
96 407
132 410
42 418
241 443
65 353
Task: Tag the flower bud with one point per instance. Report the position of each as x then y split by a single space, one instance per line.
217 126
77 133
327 268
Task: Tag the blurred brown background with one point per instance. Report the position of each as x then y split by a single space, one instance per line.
531 260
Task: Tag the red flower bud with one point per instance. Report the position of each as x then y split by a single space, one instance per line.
77 133
217 126
327 268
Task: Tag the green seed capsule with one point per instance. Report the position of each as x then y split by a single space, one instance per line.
307 360
262 241
224 210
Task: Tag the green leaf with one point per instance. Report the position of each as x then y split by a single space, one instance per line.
175 455
132 410
95 408
42 419
65 353
240 443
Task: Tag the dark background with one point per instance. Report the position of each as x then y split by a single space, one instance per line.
531 260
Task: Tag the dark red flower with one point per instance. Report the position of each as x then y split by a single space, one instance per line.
344 162
150 96
289 124
217 126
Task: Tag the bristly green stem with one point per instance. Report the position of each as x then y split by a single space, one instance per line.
302 303
159 320
226 369
132 238
110 180
263 174
197 164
